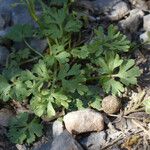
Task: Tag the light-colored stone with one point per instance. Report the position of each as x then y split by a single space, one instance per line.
119 10
94 141
21 147
3 55
112 9
146 22
5 115
82 121
145 39
131 23
140 4
111 104
57 128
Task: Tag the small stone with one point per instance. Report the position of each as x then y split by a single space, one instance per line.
3 55
20 147
146 22
119 10
112 9
140 4
111 104
57 128
132 23
94 141
83 121
5 115
65 141
39 44
145 38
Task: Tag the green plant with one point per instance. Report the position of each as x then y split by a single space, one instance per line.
22 128
59 73
147 105
114 41
116 72
65 76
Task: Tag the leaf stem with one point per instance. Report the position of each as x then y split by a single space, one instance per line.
54 77
32 12
31 8
29 60
35 51
49 45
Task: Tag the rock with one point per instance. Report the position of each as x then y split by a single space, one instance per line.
5 115
20 147
140 4
6 10
52 130
5 19
45 146
7 4
115 147
49 131
148 4
112 9
4 32
82 121
58 128
2 23
118 11
146 22
19 13
3 55
145 38
64 141
5 16
5 143
94 141
131 24
39 44
111 104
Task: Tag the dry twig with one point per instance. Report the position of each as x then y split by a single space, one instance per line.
135 104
